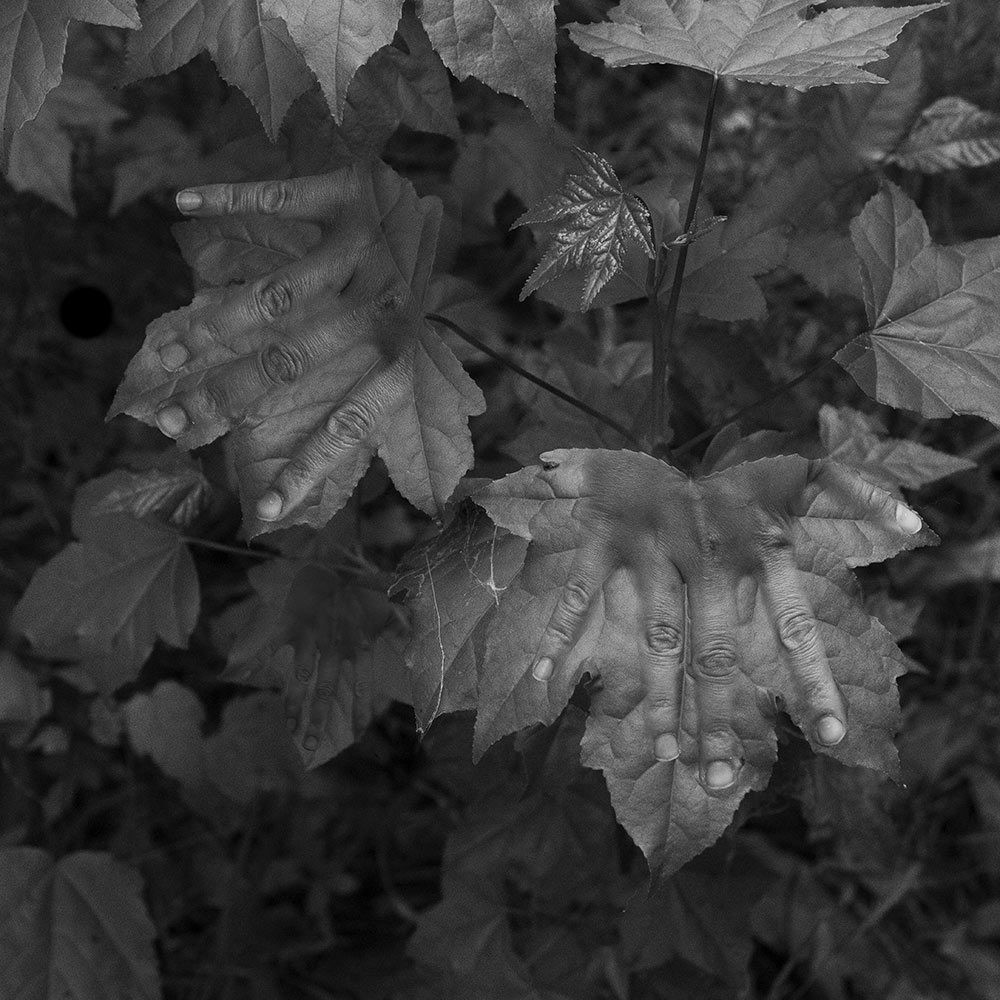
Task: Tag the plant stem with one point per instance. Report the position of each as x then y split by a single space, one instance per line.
234 550
780 391
540 382
663 330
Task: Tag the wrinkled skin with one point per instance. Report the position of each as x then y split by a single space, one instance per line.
348 281
701 551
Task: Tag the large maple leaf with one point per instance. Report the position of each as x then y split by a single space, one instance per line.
32 46
251 50
311 350
508 44
763 41
934 344
337 37
487 601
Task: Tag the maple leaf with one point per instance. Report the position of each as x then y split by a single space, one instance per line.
950 133
336 38
933 345
762 41
91 935
315 354
252 51
124 584
319 635
32 46
593 221
508 44
860 441
591 595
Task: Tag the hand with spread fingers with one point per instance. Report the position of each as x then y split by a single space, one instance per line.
706 556
311 350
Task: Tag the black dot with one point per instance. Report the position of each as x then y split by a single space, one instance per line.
85 312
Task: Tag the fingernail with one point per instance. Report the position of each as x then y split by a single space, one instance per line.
291 723
549 459
173 356
719 774
543 668
172 420
189 201
830 730
908 520
269 506
665 748
310 742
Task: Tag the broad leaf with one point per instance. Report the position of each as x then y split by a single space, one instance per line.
32 46
481 603
858 440
113 593
591 222
74 927
375 345
950 133
337 37
252 50
508 44
763 41
934 311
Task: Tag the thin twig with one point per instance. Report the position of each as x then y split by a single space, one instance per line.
663 332
540 382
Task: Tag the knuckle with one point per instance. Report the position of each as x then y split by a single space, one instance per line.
282 363
797 631
662 637
215 399
717 662
272 197
273 299
324 689
771 538
349 424
575 598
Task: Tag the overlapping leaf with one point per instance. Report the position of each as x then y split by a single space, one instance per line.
252 51
32 46
420 429
763 41
336 37
508 44
934 313
592 222
482 597
951 133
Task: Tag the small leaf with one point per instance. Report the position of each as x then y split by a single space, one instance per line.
593 221
166 724
951 133
934 342
763 41
76 927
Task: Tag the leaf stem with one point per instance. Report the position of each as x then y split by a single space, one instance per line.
750 407
663 329
540 382
234 550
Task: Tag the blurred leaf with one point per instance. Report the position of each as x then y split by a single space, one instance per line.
23 701
951 133
166 723
77 927
934 342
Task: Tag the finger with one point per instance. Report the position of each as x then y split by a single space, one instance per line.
715 669
825 710
661 652
305 288
591 567
344 440
564 470
230 391
300 675
322 196
322 695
